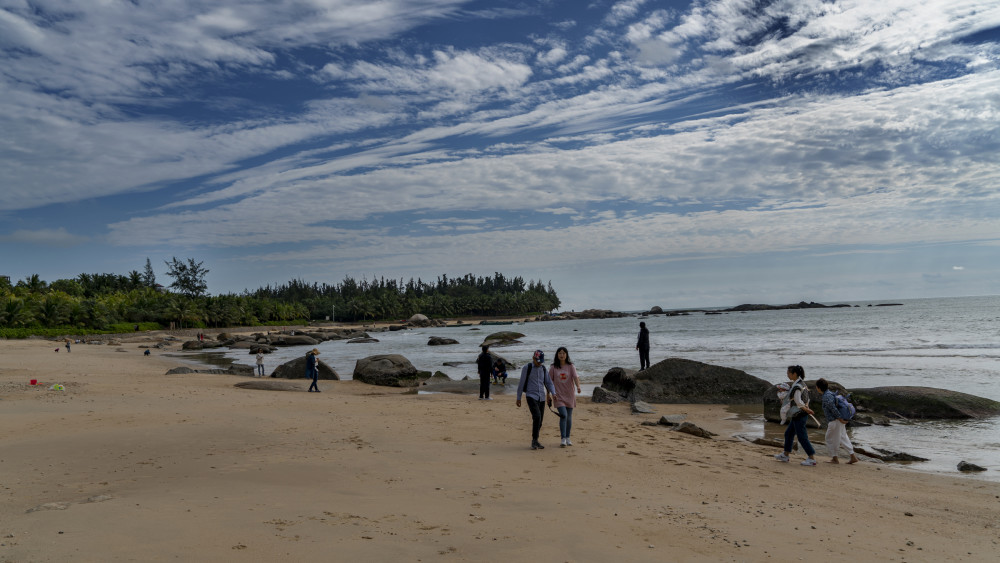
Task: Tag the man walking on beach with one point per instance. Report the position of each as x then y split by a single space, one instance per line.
643 346
535 381
484 364
312 369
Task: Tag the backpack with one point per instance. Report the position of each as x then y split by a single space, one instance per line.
844 408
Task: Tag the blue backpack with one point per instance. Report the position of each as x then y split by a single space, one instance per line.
845 408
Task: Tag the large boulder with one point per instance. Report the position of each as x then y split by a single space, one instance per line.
296 369
294 340
502 338
440 341
390 370
924 402
419 320
676 380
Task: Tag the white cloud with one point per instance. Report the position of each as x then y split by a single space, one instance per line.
44 237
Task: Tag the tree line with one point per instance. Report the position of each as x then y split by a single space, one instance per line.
116 302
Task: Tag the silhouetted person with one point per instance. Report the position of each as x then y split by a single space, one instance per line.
643 346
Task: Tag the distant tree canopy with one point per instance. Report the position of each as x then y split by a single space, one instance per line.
382 298
113 301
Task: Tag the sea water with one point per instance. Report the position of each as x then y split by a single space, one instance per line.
949 343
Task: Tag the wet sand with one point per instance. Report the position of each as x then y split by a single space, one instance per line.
130 464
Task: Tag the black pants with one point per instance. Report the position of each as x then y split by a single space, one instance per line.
484 387
643 358
315 376
537 409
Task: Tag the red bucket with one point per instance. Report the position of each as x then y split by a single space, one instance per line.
34 382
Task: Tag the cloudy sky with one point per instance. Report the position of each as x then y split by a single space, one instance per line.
635 152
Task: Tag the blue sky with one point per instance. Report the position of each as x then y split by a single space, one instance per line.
635 153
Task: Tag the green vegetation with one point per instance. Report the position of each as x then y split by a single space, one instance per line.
112 303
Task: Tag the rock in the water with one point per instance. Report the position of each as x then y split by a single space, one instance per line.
390 370
640 407
966 466
694 430
440 341
294 340
362 341
676 380
924 402
296 369
502 338
602 395
419 320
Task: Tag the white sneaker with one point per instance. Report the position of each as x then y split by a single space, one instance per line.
568 443
562 443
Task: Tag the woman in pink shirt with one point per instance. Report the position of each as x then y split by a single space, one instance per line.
564 378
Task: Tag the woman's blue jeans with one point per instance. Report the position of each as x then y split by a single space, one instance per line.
566 421
797 429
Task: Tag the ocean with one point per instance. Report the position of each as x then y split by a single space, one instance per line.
949 343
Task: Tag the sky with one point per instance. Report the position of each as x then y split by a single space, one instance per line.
635 153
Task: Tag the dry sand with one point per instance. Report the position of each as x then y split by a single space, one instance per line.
129 464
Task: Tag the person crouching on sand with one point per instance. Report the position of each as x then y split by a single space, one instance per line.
564 379
535 381
836 427
797 416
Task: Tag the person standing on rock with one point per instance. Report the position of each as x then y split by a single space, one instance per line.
312 369
797 413
564 379
836 427
260 363
643 346
536 385
484 365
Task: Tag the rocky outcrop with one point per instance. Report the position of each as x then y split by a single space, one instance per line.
799 305
419 320
966 466
270 385
368 340
441 341
502 338
586 314
234 369
390 370
694 430
602 395
924 402
296 369
676 380
294 340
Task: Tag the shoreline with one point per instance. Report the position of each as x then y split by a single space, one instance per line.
128 461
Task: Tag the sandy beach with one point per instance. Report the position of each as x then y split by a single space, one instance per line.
129 464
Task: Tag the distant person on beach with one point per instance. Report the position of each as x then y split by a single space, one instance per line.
499 372
565 380
798 396
68 342
312 369
643 346
484 365
836 427
260 363
537 386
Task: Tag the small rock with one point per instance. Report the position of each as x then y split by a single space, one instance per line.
966 466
